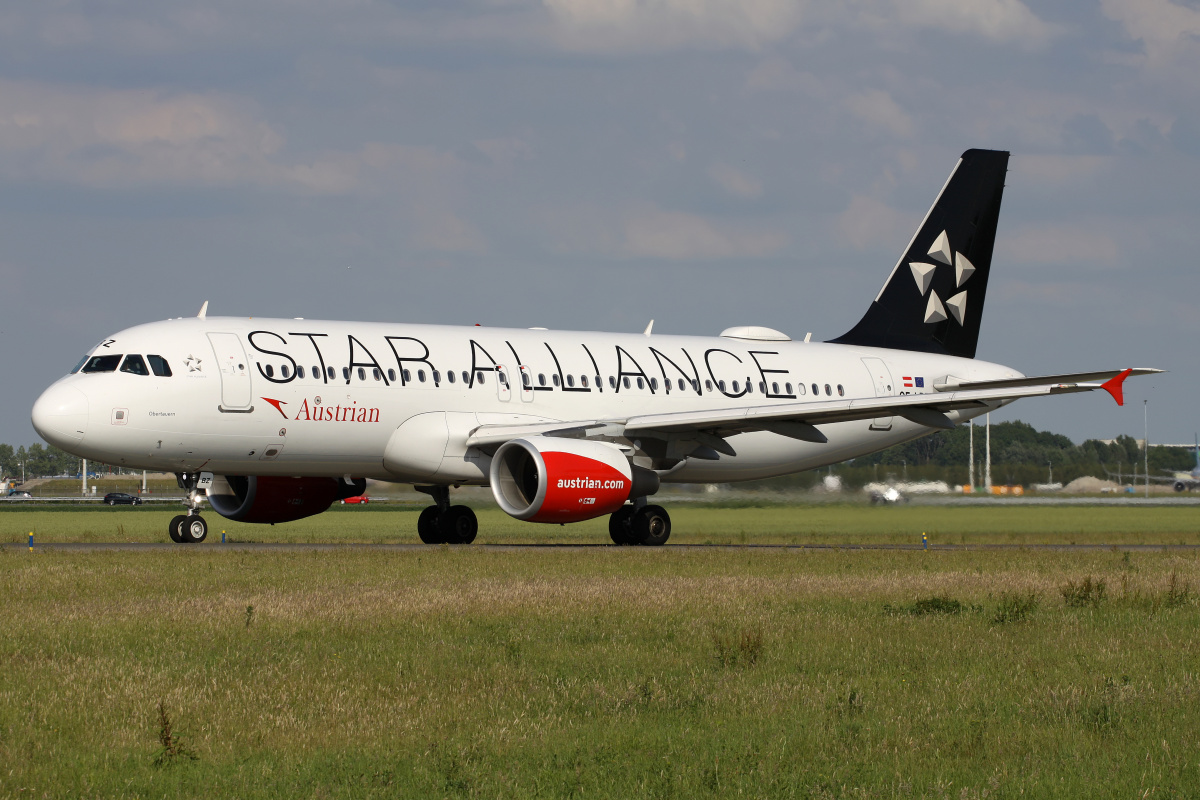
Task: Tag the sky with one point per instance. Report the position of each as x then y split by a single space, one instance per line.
594 164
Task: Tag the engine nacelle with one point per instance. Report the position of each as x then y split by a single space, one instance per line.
546 479
264 498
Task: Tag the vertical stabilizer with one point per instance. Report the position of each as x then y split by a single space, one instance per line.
933 300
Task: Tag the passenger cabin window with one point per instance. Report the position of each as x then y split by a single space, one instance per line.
300 373
134 365
799 389
612 382
775 389
583 381
708 385
270 371
466 377
625 381
571 380
421 375
480 378
102 364
159 366
345 373
841 391
378 375
736 388
654 383
788 388
816 389
450 376
525 381
541 379
407 375
284 371
721 385
437 376
555 379
329 371
828 391
362 374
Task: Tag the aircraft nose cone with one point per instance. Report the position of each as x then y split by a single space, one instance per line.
60 416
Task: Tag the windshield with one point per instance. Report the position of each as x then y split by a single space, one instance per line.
82 361
102 364
135 365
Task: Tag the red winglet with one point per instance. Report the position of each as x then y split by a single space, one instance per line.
1113 386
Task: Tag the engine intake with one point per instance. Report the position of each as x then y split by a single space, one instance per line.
545 479
270 499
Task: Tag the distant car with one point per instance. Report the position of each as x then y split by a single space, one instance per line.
362 498
19 493
122 499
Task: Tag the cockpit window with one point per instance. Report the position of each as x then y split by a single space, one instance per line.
82 361
160 366
102 364
134 365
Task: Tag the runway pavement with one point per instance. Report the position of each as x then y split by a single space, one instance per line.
284 547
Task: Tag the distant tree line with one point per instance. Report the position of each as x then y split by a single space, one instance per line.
1020 455
42 461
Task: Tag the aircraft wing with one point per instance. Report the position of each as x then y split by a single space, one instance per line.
951 383
705 430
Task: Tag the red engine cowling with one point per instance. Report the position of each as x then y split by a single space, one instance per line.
262 498
544 479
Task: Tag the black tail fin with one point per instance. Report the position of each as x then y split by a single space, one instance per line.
933 300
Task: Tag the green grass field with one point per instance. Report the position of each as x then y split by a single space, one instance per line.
630 672
691 523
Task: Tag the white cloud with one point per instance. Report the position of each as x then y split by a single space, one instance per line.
636 25
1165 29
868 222
998 20
736 182
655 233
877 108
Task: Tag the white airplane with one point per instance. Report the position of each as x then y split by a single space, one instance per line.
273 420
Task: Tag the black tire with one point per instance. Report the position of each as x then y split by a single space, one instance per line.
458 525
173 529
427 526
651 526
193 529
620 526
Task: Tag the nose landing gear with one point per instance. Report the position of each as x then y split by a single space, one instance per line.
444 523
189 528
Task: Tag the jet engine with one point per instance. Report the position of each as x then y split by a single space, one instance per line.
264 498
545 479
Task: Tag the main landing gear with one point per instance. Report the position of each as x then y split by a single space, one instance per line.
189 528
444 523
645 525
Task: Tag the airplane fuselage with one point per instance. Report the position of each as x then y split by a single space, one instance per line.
292 397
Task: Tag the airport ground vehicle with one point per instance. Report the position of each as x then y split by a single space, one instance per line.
122 499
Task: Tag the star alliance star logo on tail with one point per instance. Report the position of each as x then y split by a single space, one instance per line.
935 310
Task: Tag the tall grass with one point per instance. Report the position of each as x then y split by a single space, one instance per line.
462 672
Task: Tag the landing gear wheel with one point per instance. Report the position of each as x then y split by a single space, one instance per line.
173 528
458 525
651 526
428 528
620 525
193 529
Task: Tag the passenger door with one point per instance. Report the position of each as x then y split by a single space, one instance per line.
881 377
236 394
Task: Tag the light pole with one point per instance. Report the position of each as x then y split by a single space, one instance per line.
1050 464
1146 441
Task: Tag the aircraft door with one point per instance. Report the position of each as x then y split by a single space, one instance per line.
235 374
881 377
503 383
526 384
